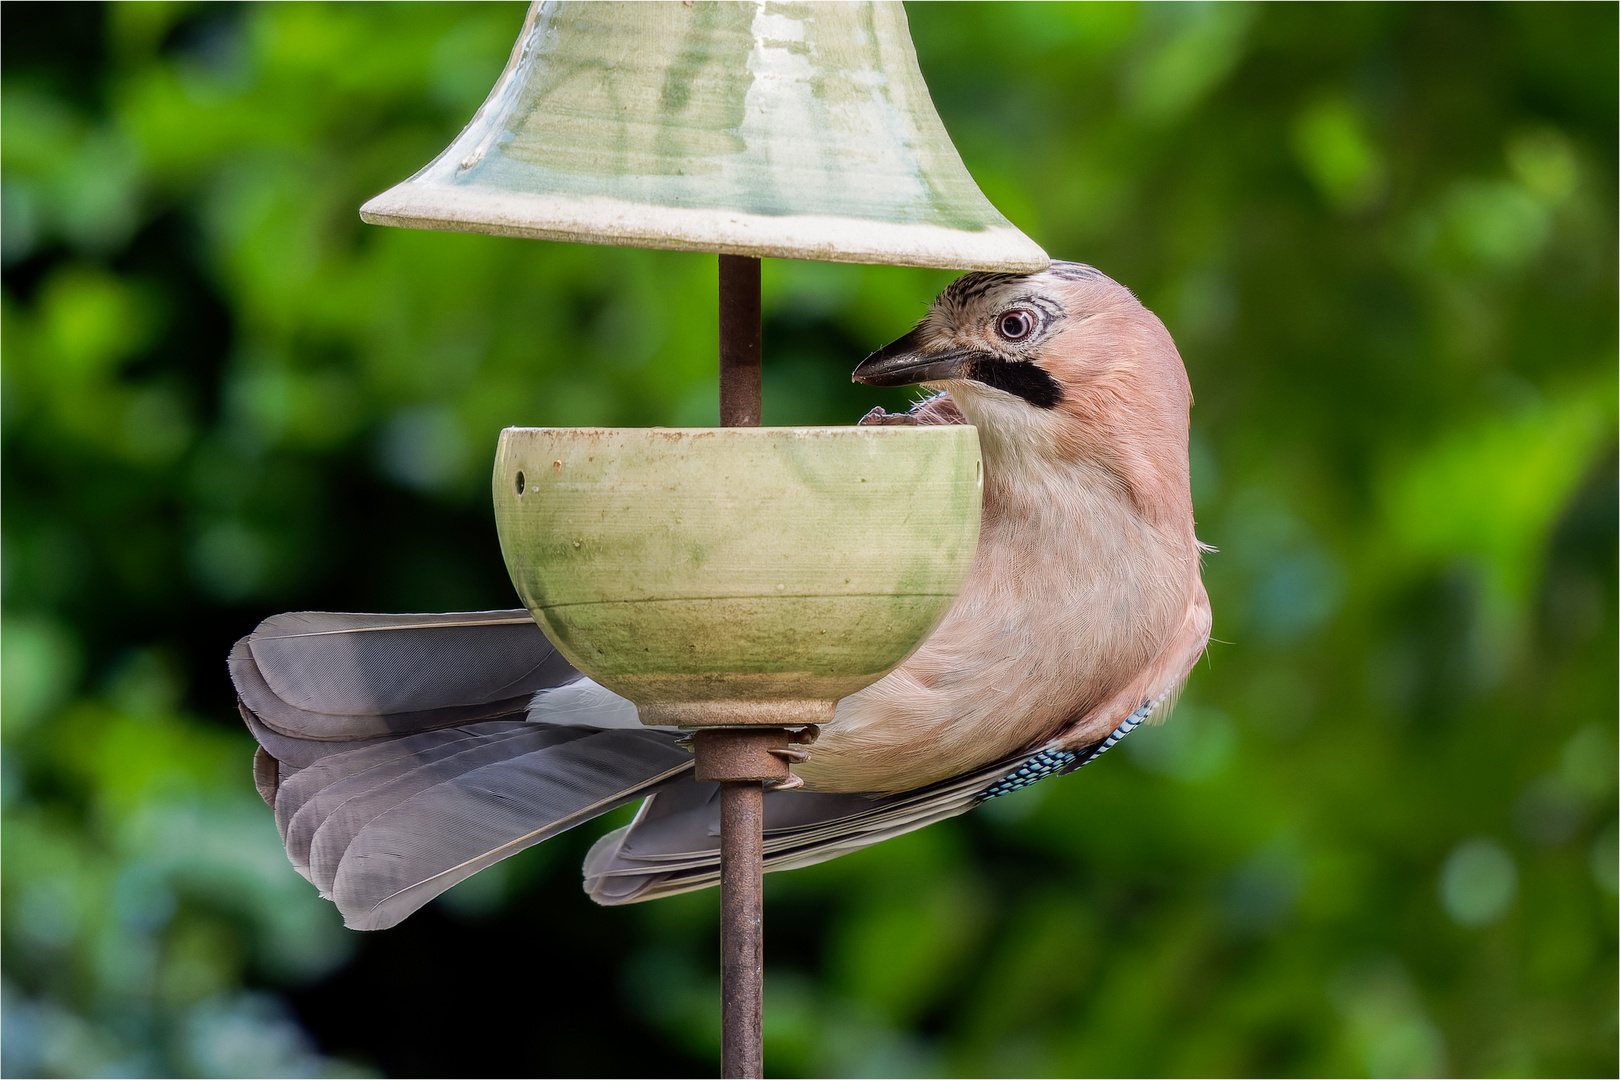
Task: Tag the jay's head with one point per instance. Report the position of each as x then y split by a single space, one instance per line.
1062 365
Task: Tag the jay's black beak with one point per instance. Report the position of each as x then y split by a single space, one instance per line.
900 364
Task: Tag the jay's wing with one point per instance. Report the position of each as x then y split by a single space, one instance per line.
404 753
673 845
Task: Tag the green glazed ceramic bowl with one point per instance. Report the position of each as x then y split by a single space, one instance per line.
722 576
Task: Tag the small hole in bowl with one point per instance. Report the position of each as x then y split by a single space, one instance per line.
520 483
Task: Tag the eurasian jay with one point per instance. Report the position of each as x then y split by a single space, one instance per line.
404 753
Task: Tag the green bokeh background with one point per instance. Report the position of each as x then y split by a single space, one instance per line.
1377 838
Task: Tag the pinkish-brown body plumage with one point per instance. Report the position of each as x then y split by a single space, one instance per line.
1084 601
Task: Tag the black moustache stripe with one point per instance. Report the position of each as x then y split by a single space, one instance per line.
1029 381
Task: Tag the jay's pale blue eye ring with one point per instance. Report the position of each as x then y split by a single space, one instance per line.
1015 325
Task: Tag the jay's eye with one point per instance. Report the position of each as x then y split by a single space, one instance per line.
1015 325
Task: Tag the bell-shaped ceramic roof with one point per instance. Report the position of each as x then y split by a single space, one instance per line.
789 130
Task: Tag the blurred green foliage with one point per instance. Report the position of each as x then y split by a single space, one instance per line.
1378 837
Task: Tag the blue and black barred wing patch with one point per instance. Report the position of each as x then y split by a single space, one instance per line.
1052 762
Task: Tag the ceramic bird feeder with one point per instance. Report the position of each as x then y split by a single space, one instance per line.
781 130
738 581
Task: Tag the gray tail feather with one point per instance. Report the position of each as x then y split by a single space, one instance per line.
331 676
673 845
401 755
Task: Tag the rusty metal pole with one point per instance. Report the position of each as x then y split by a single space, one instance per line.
742 929
742 801
739 341
743 760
